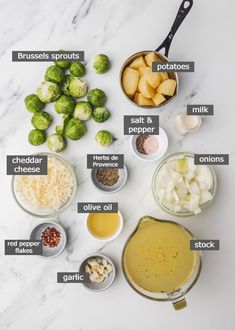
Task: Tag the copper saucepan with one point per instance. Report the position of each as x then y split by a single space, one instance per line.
183 11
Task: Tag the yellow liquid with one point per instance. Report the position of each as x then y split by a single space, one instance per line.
103 225
158 257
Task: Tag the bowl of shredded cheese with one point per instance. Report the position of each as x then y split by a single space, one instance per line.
46 195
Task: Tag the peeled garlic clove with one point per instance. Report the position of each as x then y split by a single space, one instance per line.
109 268
87 269
104 262
93 278
100 279
106 273
100 269
93 263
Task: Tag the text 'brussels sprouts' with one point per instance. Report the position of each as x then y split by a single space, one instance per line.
48 91
75 129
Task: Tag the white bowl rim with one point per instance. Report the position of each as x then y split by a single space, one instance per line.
157 155
111 238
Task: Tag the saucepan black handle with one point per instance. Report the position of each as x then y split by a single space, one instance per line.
183 11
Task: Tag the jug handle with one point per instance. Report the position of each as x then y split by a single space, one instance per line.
180 304
183 11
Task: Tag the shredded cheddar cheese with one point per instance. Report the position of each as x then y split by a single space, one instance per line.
49 191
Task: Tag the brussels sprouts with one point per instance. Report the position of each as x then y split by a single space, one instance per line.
100 114
60 128
62 64
55 142
75 129
65 104
36 137
101 63
77 87
83 111
65 84
77 69
48 91
41 120
96 97
54 74
33 103
104 138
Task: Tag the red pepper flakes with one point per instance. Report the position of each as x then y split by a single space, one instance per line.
51 237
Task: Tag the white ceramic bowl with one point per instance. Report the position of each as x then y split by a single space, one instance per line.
163 145
106 239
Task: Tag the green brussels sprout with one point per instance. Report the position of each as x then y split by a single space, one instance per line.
101 63
104 138
41 120
60 128
36 137
78 69
75 129
48 91
65 104
62 64
64 86
100 114
56 142
83 111
54 74
96 97
33 103
77 87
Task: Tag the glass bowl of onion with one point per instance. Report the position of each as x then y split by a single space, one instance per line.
182 188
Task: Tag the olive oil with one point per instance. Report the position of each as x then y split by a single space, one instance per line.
103 225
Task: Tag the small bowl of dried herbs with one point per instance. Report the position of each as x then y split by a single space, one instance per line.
109 180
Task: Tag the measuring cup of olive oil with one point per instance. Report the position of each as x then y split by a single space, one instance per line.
158 263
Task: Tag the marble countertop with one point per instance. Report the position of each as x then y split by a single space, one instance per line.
30 296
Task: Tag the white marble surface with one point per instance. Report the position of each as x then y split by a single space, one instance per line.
30 296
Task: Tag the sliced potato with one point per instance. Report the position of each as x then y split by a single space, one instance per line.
164 75
141 100
130 79
153 78
151 57
158 99
145 88
138 63
167 87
